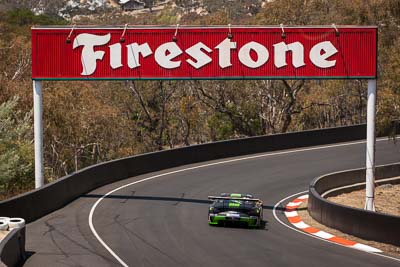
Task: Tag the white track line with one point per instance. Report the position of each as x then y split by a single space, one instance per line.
200 167
314 236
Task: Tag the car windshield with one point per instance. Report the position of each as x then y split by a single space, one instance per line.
234 204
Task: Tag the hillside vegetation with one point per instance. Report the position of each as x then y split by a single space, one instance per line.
90 122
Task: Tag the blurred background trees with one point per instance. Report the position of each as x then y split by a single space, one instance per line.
16 150
90 122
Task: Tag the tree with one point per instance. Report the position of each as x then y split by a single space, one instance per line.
16 150
153 115
90 122
85 123
279 102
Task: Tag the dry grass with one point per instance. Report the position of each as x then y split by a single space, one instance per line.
387 199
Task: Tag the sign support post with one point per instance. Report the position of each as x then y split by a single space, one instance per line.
38 132
371 140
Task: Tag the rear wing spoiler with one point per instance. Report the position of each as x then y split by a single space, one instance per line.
235 198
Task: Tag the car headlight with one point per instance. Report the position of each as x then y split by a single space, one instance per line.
213 210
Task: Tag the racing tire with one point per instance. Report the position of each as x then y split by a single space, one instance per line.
259 223
4 223
7 219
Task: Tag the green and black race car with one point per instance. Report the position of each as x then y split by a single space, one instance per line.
236 208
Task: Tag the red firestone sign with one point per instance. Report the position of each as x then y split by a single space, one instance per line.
309 52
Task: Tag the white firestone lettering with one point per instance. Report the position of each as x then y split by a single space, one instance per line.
197 53
89 57
225 48
320 59
115 56
262 55
165 53
134 51
281 49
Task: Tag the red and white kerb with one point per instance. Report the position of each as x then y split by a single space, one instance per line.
294 218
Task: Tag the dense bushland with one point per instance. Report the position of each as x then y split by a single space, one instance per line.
89 122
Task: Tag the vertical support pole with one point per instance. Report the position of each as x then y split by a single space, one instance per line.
371 140
38 131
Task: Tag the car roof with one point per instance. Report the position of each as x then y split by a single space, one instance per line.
236 195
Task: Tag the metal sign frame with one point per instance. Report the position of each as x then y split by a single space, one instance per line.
204 53
278 45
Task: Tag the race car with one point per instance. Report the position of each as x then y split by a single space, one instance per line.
235 208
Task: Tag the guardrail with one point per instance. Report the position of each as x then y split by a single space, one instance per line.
358 222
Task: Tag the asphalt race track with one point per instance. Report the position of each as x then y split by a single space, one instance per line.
163 221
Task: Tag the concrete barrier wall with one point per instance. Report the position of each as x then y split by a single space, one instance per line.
358 222
12 248
37 203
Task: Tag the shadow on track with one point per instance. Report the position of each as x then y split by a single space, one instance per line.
170 199
263 226
178 200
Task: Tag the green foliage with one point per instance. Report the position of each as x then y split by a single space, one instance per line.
16 150
23 17
91 122
234 9
221 127
164 17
